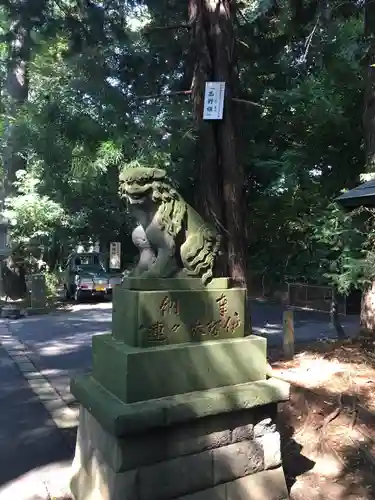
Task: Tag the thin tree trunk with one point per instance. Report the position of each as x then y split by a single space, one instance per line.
335 318
368 309
221 179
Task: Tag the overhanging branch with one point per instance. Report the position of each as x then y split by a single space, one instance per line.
188 92
246 101
165 95
171 27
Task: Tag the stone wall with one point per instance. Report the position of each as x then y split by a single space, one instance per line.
230 456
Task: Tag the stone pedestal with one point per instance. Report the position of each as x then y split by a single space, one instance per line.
149 312
178 417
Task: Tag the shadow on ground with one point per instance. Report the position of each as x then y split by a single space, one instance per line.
267 321
60 344
28 438
329 416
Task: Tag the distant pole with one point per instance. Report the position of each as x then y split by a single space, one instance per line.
335 318
4 247
288 334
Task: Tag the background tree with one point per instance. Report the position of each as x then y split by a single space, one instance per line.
220 177
368 304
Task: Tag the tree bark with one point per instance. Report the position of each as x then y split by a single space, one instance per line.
368 309
369 102
368 296
220 178
12 281
17 89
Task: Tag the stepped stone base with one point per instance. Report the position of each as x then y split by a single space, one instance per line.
178 404
175 369
229 451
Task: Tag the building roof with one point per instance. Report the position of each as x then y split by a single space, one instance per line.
362 195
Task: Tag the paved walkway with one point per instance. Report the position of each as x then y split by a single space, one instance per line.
35 456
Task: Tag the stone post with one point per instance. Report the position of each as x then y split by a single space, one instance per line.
4 250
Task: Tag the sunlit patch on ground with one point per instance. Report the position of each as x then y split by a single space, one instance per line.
327 421
48 482
309 369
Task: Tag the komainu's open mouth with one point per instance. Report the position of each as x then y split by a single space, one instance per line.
136 193
134 198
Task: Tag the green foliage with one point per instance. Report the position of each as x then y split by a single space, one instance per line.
88 115
340 243
34 218
52 284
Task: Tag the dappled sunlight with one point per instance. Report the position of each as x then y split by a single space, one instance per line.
60 347
268 330
83 307
343 369
98 318
332 445
328 465
50 372
328 416
309 370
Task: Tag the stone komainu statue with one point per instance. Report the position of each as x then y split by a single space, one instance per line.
171 236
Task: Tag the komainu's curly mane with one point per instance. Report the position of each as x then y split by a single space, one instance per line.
172 208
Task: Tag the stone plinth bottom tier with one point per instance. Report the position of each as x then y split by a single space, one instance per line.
227 456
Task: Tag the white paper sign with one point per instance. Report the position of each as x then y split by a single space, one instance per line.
115 255
214 101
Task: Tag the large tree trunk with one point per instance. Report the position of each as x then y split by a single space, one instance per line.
368 297
17 86
369 103
17 89
220 178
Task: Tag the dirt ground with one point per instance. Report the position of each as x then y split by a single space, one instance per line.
328 425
